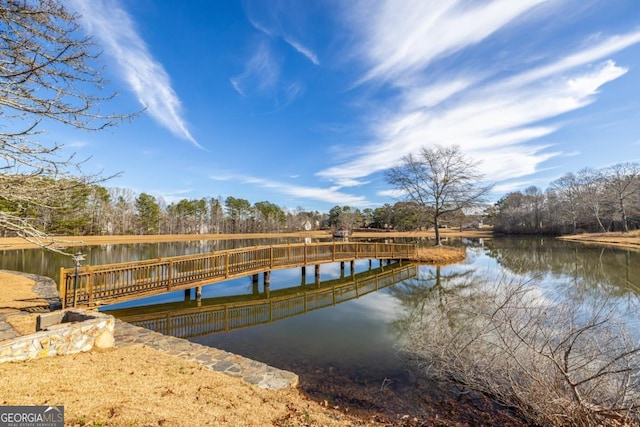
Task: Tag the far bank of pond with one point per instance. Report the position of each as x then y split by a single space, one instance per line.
13 243
630 239
618 239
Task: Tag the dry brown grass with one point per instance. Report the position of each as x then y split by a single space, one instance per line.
139 386
628 240
16 292
440 254
444 233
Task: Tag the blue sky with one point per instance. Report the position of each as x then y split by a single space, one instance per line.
306 103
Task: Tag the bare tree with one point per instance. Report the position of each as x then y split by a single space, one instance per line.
567 189
555 362
622 182
592 193
46 74
441 180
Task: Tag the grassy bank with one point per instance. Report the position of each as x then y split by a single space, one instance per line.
627 240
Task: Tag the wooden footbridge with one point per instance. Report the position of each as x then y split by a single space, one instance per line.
112 283
189 318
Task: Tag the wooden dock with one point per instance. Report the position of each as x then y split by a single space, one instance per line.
111 283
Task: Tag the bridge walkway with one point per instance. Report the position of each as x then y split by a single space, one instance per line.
90 286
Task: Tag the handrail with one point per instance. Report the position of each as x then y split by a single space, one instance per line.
116 282
187 320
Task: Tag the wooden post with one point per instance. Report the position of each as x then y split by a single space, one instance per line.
198 293
63 287
271 257
90 285
266 276
187 294
341 269
352 266
75 287
226 266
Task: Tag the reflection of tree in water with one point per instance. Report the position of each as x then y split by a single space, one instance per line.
415 294
593 269
554 360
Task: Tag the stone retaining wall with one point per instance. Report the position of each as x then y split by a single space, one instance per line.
61 332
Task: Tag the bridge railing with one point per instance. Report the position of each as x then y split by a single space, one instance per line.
110 282
206 319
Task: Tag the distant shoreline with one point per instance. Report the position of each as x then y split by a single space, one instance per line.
14 243
628 240
618 239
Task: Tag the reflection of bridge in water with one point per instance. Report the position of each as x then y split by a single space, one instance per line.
192 318
112 283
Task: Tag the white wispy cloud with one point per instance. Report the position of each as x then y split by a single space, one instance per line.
275 30
400 38
394 194
262 77
261 72
146 77
308 53
595 52
171 196
331 194
496 119
77 144
509 187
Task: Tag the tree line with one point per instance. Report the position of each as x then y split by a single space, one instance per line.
76 208
591 200
71 207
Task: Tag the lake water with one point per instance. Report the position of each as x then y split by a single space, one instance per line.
348 352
